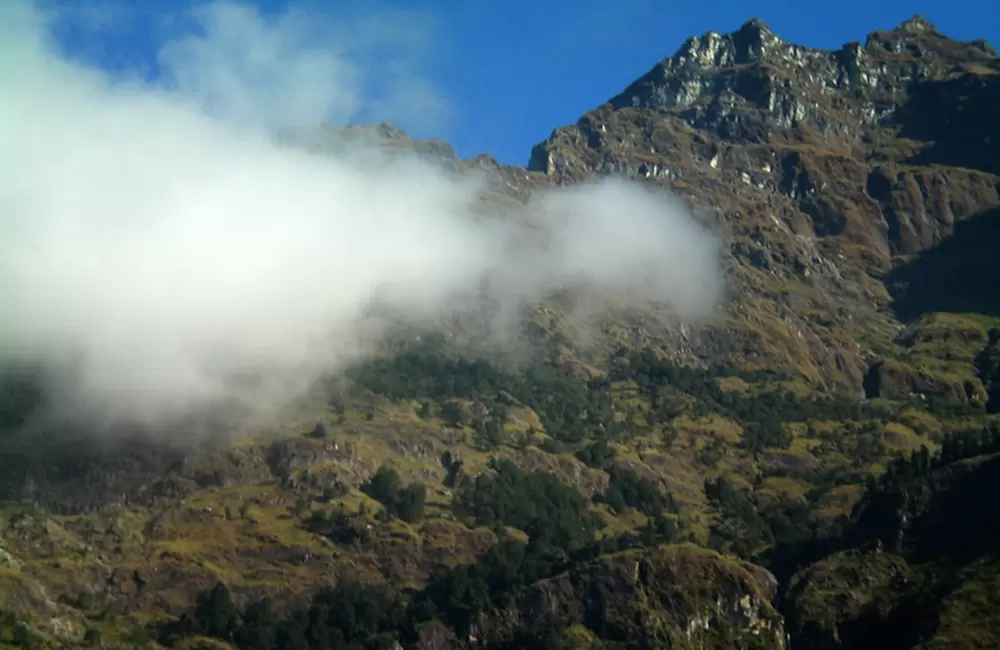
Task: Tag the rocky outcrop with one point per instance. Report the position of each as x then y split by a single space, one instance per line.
954 118
921 206
897 380
290 455
846 600
676 596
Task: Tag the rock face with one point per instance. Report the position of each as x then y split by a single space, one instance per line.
898 381
672 596
753 87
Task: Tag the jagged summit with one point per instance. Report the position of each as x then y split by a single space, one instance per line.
750 85
919 36
756 23
755 44
749 43
917 24
755 29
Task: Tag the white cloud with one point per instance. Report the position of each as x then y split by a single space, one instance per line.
245 68
157 244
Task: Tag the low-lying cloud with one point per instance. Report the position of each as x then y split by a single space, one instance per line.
161 253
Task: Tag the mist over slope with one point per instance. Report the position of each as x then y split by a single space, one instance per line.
160 250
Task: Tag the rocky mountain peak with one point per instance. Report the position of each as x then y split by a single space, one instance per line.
917 25
823 167
751 43
777 84
918 37
754 41
915 29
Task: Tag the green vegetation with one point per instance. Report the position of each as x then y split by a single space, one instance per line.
626 490
406 503
15 633
648 411
920 547
537 503
597 454
346 616
670 387
560 536
568 409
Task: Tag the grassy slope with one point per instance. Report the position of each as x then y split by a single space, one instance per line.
253 536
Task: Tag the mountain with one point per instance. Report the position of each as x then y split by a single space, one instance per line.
812 470
829 171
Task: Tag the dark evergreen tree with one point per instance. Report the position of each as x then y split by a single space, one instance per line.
258 629
215 614
409 505
384 486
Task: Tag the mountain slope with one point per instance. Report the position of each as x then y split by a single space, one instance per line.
656 486
826 170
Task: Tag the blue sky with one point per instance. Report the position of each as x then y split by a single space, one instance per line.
512 71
